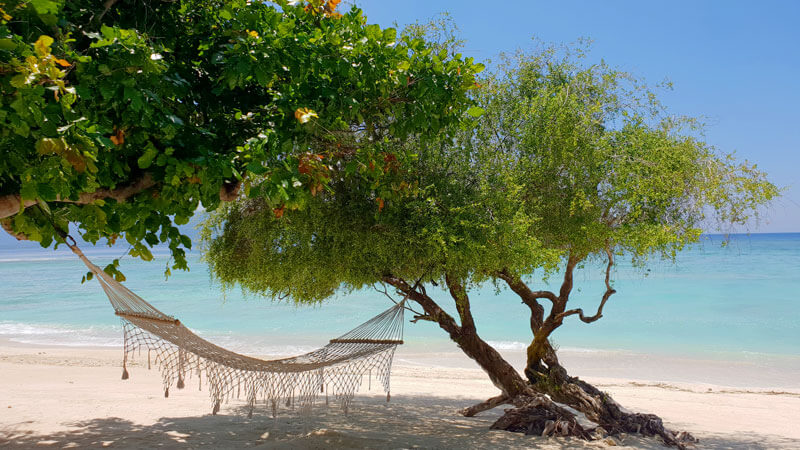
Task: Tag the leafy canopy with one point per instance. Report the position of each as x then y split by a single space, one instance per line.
563 159
184 102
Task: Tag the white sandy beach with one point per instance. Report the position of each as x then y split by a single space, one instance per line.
63 397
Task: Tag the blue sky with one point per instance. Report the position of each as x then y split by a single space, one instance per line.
735 63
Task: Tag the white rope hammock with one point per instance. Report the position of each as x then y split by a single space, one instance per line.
337 369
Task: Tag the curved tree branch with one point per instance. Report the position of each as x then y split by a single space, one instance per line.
609 292
520 288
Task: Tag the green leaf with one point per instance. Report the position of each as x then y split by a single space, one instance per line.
19 81
50 146
45 6
7 44
146 159
374 31
46 192
475 111
29 191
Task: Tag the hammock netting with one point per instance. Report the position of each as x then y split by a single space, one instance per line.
335 371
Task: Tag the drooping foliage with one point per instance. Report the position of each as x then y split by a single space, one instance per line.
126 116
566 159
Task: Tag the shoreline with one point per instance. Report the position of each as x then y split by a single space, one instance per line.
69 396
652 369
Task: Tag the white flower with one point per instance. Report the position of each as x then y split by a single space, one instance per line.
155 56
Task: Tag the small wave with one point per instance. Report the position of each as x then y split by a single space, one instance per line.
34 259
45 334
28 329
508 345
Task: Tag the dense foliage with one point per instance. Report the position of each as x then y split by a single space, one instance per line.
124 116
566 161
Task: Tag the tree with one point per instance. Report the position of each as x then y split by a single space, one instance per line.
565 165
124 117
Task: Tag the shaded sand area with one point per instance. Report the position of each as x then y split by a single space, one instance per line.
73 397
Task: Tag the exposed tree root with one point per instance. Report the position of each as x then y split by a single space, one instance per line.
536 414
539 416
485 406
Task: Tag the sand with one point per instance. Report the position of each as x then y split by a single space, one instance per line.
61 397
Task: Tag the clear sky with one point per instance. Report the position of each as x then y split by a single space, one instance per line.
735 63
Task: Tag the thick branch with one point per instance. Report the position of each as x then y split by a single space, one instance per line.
461 298
538 349
528 296
432 310
566 285
10 204
502 374
228 192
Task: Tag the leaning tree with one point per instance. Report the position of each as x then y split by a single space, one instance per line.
125 116
567 165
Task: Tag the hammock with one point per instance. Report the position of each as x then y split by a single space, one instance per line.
337 369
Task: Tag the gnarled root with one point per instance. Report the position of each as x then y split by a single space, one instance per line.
538 415
650 425
600 408
485 406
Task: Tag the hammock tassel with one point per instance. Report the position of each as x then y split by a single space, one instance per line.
388 397
124 373
148 359
180 369
166 392
215 410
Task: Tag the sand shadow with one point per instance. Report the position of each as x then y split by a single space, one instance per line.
406 422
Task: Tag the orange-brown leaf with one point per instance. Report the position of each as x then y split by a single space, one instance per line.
118 138
62 62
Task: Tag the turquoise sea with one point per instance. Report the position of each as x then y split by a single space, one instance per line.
739 302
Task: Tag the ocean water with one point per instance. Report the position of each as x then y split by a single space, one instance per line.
739 302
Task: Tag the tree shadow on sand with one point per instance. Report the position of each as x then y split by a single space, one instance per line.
407 422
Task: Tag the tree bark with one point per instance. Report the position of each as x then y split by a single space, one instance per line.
11 204
501 373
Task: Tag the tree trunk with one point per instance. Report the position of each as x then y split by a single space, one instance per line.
502 374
